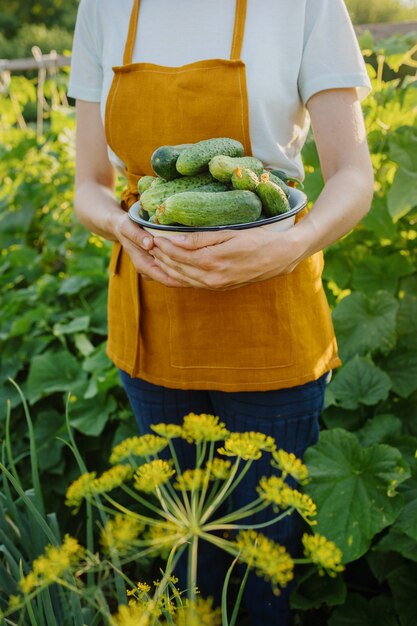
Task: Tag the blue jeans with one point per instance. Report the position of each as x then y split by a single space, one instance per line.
291 416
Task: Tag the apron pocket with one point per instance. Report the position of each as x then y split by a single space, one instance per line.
245 328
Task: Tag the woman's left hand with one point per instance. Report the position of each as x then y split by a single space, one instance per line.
225 259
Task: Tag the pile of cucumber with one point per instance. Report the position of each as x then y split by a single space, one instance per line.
211 183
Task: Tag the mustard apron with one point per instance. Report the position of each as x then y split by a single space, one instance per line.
274 334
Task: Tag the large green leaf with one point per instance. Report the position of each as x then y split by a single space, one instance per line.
403 585
53 371
379 429
354 489
359 611
366 323
90 416
359 382
401 366
381 273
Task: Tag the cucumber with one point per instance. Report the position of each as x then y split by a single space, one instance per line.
164 158
195 159
155 195
278 181
287 179
145 182
222 167
210 209
274 200
244 178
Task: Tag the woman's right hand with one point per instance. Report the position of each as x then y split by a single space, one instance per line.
138 244
94 202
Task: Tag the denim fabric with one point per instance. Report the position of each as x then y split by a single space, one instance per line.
291 416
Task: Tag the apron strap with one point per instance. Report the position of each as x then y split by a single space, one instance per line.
131 33
238 32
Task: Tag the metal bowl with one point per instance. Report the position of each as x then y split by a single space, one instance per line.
297 200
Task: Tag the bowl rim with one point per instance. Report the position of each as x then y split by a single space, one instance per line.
301 203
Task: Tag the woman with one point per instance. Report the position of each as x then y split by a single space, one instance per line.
233 323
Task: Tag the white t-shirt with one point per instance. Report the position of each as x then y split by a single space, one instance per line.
292 49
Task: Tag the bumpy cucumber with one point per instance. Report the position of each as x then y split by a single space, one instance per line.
244 178
155 195
278 181
195 159
274 200
145 182
164 158
216 186
222 167
210 209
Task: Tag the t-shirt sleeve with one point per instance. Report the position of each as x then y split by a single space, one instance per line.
86 75
331 55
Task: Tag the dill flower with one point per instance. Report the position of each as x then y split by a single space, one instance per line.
277 492
268 558
289 464
162 537
133 614
146 445
191 480
203 427
14 601
152 475
169 431
247 446
198 613
119 533
112 478
79 489
48 567
323 553
219 468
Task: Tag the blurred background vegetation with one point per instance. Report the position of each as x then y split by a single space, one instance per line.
49 23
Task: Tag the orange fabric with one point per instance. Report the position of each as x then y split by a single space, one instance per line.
270 335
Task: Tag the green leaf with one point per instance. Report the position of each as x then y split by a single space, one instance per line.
76 325
379 221
379 429
360 611
73 285
407 521
402 197
354 489
401 366
381 273
359 382
91 416
397 541
365 323
314 591
53 371
403 585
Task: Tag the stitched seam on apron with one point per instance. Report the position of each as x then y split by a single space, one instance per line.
333 362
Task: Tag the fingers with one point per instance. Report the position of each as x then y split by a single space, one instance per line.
196 241
127 230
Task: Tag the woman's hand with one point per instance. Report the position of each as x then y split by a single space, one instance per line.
138 244
225 259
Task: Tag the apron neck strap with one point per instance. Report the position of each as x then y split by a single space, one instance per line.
131 33
238 32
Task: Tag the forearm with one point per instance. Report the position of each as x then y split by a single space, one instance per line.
344 201
97 209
